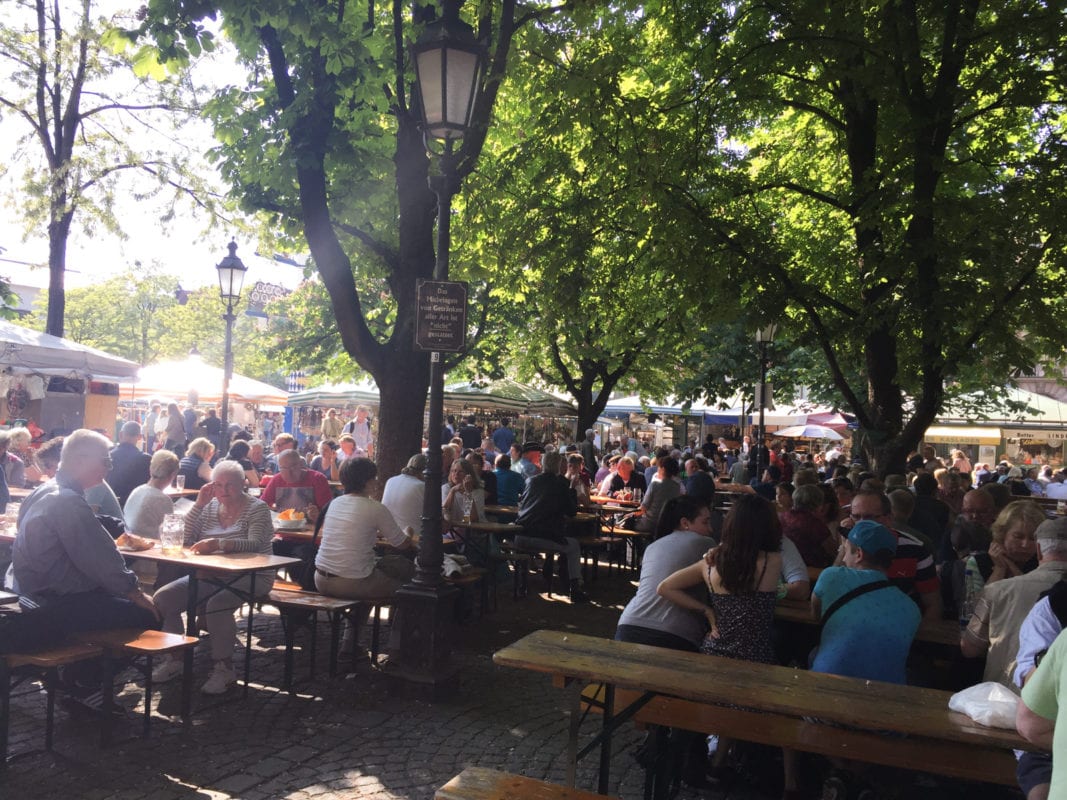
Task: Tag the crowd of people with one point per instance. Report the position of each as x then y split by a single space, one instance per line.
875 556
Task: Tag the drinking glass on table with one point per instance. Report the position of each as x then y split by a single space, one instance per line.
179 483
172 534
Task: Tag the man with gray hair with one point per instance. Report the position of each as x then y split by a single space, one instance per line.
1001 608
63 557
131 466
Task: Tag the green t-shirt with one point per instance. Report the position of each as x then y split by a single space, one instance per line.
1042 696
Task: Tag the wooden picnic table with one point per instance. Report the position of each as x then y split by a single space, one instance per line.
603 500
19 492
938 739
220 569
498 509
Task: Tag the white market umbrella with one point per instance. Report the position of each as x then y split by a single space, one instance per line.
808 432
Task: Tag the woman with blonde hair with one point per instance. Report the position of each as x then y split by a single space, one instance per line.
196 464
1013 552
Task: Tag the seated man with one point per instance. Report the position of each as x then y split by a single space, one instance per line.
543 507
301 489
807 530
65 561
130 468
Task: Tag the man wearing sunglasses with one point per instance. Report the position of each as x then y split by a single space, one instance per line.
912 569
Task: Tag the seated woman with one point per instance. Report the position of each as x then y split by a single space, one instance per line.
665 487
326 461
147 504
239 451
224 519
463 495
740 586
196 463
346 564
1012 552
682 539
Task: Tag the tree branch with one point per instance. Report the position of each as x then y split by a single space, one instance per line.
387 254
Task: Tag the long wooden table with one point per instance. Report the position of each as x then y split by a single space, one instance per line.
943 633
809 700
222 570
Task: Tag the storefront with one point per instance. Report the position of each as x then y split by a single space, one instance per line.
1037 446
981 444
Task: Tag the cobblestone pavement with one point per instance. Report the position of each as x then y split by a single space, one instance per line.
338 738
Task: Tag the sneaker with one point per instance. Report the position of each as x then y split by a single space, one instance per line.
578 596
221 679
167 669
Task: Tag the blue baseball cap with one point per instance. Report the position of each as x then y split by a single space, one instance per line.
872 536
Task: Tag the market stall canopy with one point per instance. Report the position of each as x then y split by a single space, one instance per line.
177 379
808 432
507 395
337 394
635 405
28 351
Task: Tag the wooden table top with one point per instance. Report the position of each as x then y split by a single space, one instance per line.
602 500
943 632
502 509
18 492
782 690
489 527
215 562
170 491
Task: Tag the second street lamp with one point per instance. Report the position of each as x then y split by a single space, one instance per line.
764 338
231 280
449 62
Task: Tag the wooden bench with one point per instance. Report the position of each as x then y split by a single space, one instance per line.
299 608
965 761
477 578
479 783
142 644
796 708
520 569
42 665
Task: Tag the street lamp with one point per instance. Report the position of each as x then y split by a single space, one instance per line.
764 337
449 62
231 278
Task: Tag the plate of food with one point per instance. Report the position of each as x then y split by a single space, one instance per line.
129 543
290 520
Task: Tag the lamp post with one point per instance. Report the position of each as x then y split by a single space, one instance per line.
449 62
231 279
764 338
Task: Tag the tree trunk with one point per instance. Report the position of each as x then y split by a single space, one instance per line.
400 416
58 232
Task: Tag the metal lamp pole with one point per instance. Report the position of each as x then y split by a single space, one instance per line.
231 280
449 63
764 337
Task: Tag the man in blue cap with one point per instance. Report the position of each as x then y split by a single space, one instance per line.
868 624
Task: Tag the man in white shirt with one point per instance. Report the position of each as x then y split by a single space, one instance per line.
403 494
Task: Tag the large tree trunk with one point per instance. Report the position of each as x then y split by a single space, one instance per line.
58 232
403 398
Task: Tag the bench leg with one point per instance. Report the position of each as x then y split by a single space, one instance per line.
107 687
376 635
335 639
289 627
149 663
5 710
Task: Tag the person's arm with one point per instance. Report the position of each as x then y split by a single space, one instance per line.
258 531
931 606
323 493
974 641
816 606
674 586
1037 633
204 471
794 572
269 493
91 547
1033 727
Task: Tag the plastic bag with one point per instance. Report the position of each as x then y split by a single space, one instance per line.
988 704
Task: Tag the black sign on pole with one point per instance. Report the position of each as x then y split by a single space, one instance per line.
441 319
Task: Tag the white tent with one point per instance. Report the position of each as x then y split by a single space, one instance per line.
26 351
176 380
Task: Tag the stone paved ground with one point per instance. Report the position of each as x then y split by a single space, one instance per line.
344 737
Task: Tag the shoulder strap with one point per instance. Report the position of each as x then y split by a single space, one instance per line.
852 595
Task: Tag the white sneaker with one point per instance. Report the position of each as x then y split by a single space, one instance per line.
222 678
167 669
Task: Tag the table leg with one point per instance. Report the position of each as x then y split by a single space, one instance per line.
572 736
605 744
248 635
191 628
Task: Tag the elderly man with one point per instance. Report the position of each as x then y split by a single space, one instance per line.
297 487
331 425
543 508
1001 608
131 465
64 559
281 443
529 463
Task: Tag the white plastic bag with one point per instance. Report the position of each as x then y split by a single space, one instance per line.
988 704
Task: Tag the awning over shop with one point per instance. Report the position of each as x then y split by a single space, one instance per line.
961 434
1035 436
507 395
337 394
28 351
181 380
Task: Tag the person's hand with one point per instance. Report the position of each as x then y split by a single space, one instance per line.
205 495
468 484
709 557
311 513
139 598
207 546
709 615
